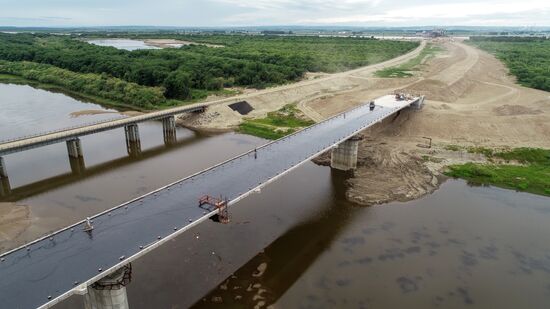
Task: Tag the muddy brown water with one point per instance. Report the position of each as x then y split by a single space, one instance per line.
297 244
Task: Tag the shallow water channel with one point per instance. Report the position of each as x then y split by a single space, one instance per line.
127 44
297 244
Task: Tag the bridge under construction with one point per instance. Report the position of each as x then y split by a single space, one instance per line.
93 256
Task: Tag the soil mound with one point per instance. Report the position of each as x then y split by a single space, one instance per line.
514 110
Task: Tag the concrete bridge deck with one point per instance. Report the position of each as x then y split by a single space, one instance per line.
52 268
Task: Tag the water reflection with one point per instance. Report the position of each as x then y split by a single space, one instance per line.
456 248
126 44
27 110
266 277
79 171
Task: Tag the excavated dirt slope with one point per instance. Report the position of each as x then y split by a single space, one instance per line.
472 100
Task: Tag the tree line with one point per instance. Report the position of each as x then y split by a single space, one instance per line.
100 85
528 58
183 73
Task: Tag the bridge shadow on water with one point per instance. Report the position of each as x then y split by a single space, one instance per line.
268 275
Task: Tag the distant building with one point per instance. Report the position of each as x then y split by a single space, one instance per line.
436 33
275 32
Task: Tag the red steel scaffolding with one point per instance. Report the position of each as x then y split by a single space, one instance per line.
219 203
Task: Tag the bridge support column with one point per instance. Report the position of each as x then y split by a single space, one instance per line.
74 148
418 104
133 143
169 130
3 171
5 187
77 165
344 156
110 292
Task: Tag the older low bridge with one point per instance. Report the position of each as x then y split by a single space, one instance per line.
92 257
71 135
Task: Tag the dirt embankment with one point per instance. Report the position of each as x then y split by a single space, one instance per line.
472 101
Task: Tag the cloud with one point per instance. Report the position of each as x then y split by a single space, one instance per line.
314 5
274 12
446 12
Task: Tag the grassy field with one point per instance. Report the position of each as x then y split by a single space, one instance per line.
527 58
406 69
277 124
531 174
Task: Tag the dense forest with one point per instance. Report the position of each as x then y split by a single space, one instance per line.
189 72
528 58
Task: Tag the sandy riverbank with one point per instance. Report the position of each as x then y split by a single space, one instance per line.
14 220
167 43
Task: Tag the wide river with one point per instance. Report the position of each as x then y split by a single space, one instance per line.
297 244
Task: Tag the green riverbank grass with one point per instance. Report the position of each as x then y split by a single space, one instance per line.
276 124
406 69
532 176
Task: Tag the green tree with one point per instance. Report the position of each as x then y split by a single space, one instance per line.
177 85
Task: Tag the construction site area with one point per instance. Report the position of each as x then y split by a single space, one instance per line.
471 100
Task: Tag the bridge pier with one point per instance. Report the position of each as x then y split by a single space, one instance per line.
169 130
344 156
3 171
74 148
133 143
110 292
77 165
419 103
5 187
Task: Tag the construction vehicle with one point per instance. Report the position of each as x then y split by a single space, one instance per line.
400 97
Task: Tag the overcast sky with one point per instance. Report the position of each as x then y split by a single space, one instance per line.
215 13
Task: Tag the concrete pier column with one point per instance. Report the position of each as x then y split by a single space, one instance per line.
169 129
77 165
3 171
74 148
109 292
133 143
5 187
418 104
344 156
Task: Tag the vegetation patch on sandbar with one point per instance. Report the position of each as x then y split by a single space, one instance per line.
277 124
531 173
406 69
